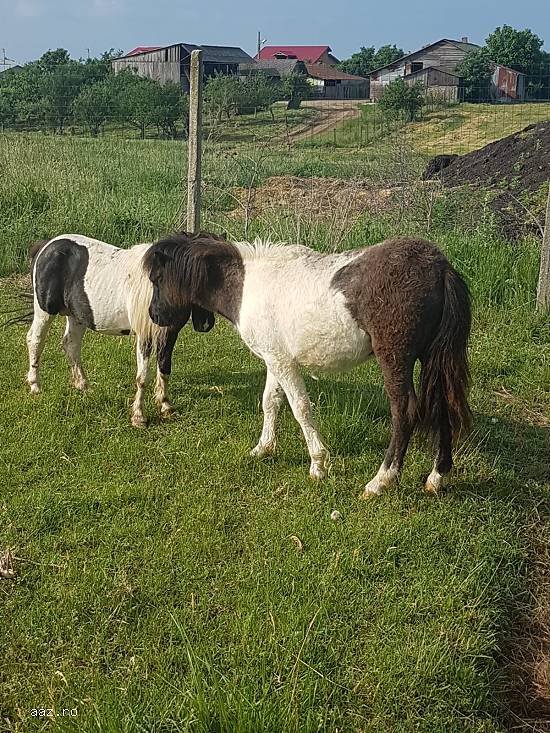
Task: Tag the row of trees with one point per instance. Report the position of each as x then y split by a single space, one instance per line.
57 91
519 50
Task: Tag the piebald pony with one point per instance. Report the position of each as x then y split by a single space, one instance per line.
103 288
400 300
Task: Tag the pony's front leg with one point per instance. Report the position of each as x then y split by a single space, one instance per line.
271 403
143 354
294 387
165 348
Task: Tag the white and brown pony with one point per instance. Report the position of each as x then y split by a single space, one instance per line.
400 300
105 289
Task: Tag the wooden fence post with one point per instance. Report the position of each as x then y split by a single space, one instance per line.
543 288
194 143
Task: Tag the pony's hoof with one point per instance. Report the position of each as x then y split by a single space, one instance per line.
372 489
166 412
317 472
138 421
262 450
434 483
80 385
35 388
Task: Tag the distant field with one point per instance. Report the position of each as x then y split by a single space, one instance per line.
468 127
453 129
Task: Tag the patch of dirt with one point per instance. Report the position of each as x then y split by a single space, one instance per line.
21 282
320 198
514 167
528 651
332 113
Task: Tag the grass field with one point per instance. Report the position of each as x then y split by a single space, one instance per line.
452 129
166 581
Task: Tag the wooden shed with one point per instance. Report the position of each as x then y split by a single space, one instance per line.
171 63
441 59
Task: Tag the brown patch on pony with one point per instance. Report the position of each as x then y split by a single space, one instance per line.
414 305
202 269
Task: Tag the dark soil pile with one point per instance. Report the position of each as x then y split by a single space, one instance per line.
516 168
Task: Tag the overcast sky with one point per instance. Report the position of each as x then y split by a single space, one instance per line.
30 27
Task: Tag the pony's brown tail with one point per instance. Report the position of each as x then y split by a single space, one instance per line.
445 375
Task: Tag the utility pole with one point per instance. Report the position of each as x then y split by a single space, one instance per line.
543 288
259 44
194 143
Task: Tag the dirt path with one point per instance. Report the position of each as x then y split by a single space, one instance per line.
332 113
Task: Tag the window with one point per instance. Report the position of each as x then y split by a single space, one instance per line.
416 66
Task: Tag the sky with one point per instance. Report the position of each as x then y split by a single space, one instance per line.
30 27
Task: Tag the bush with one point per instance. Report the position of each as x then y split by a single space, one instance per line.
400 97
295 88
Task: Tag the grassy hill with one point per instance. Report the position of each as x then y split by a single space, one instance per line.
453 129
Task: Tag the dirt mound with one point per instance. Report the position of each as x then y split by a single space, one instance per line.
516 167
317 197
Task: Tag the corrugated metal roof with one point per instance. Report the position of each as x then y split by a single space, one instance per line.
211 54
225 54
466 47
302 53
274 67
143 49
324 71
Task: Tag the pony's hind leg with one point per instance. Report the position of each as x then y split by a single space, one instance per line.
143 354
444 461
36 338
72 346
165 349
271 402
399 386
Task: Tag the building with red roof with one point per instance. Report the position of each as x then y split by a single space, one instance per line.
308 54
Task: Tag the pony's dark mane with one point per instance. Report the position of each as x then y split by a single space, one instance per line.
193 260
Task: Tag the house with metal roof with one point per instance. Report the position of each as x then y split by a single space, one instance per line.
433 65
307 54
172 63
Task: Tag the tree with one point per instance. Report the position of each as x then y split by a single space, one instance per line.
520 50
134 100
60 86
387 55
50 60
295 88
368 59
222 95
257 92
170 106
94 105
476 70
360 63
400 97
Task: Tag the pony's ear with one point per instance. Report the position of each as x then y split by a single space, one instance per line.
157 261
160 259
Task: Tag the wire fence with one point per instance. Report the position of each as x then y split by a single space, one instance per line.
332 169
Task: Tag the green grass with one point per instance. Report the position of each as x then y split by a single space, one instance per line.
160 587
125 191
458 128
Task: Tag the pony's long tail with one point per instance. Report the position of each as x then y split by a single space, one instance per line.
445 375
20 301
